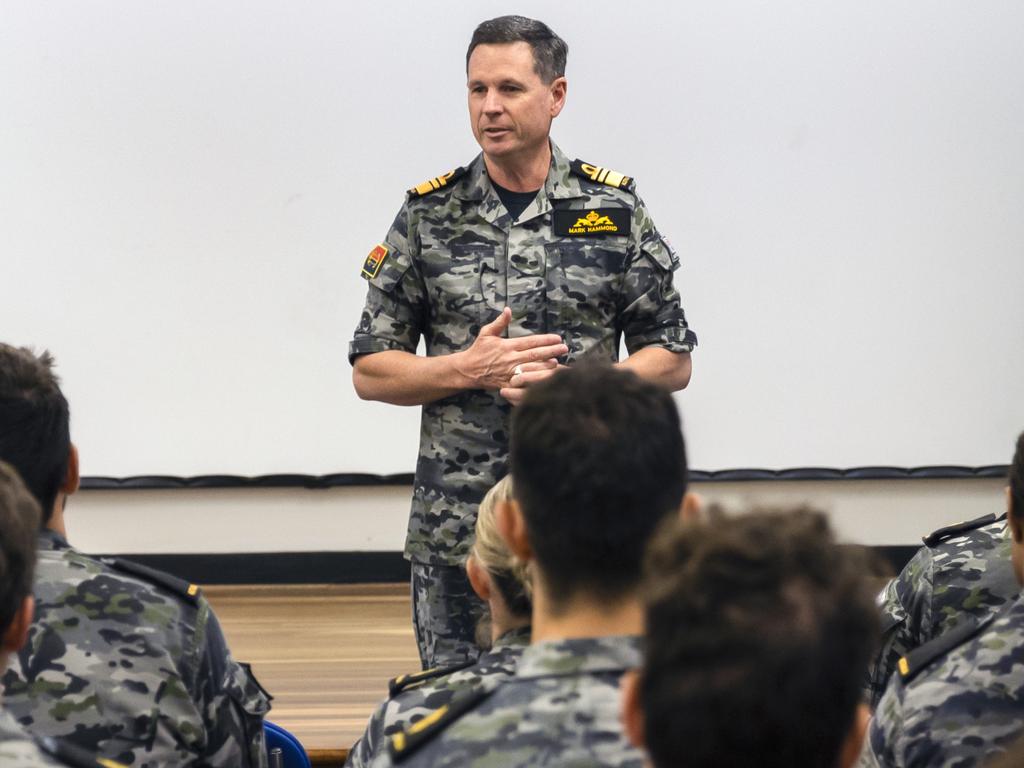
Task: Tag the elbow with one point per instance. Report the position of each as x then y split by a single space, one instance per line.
362 384
683 370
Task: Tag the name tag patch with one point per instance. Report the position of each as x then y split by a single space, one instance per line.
594 222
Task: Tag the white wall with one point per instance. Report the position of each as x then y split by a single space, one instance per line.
374 519
189 188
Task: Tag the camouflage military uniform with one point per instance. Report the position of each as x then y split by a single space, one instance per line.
964 572
453 259
561 707
956 700
18 749
412 699
131 668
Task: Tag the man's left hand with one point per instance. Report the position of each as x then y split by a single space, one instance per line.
528 375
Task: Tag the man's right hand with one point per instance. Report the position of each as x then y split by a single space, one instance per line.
490 362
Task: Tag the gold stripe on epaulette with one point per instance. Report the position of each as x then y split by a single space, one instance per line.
193 589
904 666
605 175
435 183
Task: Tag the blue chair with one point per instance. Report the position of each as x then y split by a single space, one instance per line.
292 753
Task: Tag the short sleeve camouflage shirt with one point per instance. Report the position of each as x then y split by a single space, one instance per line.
412 704
961 708
964 577
454 259
561 707
130 671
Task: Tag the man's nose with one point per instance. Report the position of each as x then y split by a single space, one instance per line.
492 103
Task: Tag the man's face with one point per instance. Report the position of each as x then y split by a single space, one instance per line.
510 107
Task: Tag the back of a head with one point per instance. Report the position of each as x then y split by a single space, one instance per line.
19 529
1016 480
759 629
599 460
508 574
35 436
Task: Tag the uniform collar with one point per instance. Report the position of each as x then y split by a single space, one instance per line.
513 638
576 656
561 184
52 540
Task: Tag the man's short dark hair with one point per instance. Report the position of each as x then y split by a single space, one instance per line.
35 435
1016 480
759 630
599 461
19 531
549 50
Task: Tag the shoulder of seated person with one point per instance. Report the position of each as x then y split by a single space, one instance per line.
961 529
415 679
186 591
404 744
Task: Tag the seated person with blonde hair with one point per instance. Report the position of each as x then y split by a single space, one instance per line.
502 583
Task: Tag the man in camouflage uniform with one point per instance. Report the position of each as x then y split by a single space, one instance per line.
962 573
19 523
121 660
599 464
508 269
959 699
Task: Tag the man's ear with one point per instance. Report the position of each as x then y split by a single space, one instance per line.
692 508
17 632
632 712
1016 529
71 477
512 527
479 579
558 87
854 741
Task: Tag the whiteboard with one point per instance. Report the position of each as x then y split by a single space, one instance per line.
188 190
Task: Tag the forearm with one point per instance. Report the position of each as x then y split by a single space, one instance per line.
402 378
658 365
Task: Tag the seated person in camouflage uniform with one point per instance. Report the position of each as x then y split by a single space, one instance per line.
599 462
758 631
19 526
501 582
123 661
959 699
962 573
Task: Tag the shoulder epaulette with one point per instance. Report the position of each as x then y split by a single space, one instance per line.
180 587
941 535
398 684
74 756
910 666
602 175
436 183
404 743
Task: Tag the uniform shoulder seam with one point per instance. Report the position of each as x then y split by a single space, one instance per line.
186 590
947 532
438 182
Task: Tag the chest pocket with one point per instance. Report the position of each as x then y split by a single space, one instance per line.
584 286
454 280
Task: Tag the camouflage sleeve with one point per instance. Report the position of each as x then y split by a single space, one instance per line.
393 315
362 752
905 606
233 705
652 314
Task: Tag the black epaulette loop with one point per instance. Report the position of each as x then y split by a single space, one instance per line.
403 682
404 743
438 182
910 666
942 534
602 175
184 589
